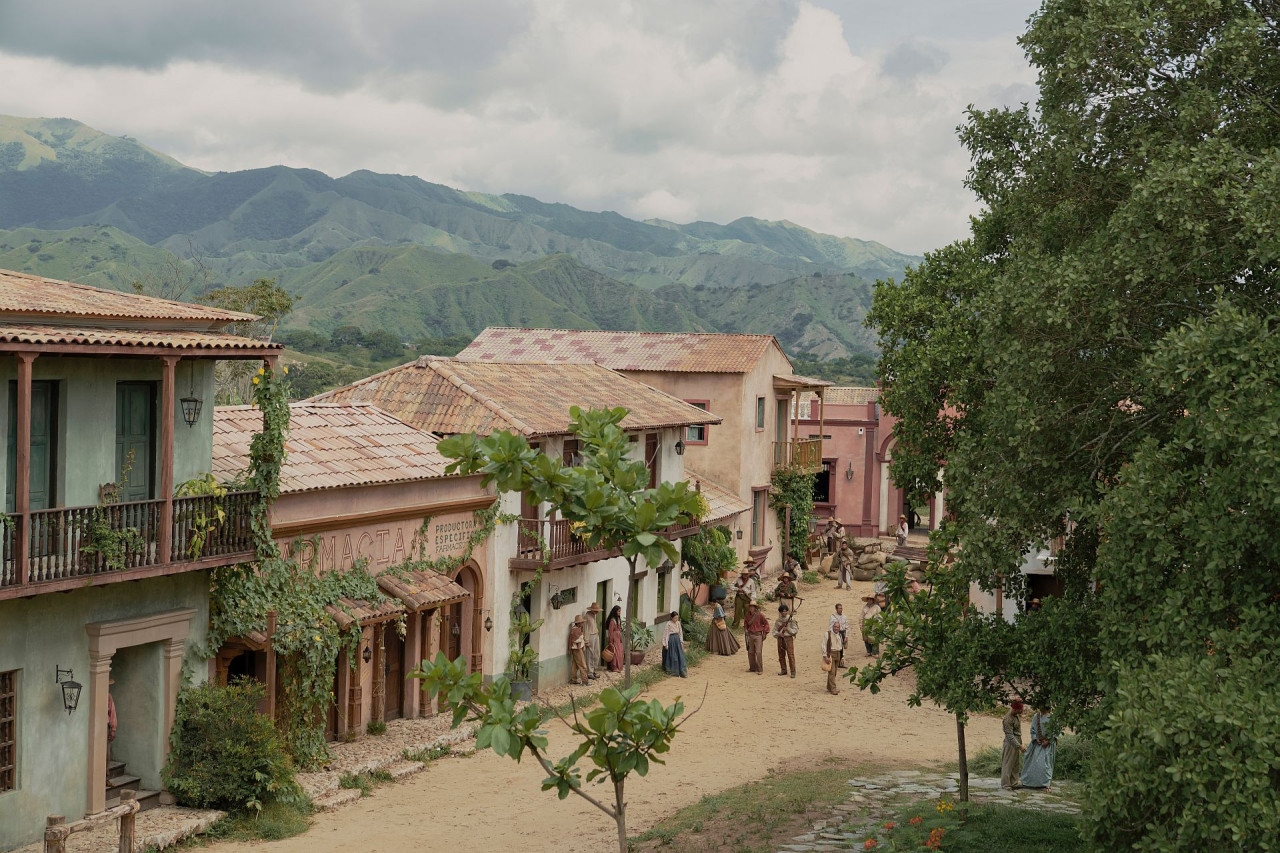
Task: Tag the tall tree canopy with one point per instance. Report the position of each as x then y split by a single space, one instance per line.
1102 348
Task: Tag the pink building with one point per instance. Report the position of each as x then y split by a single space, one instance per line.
854 484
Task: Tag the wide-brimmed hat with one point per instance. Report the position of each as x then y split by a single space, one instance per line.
754 604
595 607
1016 705
870 597
579 619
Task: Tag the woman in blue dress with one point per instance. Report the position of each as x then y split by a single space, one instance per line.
1037 764
673 647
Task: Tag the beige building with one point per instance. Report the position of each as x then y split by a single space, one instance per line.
746 380
448 397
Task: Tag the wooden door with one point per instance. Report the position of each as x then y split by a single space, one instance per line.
393 670
135 439
44 438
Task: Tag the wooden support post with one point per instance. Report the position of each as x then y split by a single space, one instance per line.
22 461
168 394
271 664
822 418
128 819
55 834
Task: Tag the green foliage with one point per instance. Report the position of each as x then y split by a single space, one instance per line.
201 523
972 828
707 555
428 754
110 545
641 637
224 754
620 736
607 494
522 660
793 488
376 727
809 577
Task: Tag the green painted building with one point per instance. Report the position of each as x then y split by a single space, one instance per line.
105 409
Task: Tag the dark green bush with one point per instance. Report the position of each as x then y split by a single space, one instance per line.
224 754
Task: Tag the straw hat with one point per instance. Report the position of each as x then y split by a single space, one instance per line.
868 598
579 619
595 607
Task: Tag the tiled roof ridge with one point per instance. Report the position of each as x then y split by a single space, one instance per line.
325 396
137 298
627 332
437 365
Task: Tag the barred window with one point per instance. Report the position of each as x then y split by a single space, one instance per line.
8 731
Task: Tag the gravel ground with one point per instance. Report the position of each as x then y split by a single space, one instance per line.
158 828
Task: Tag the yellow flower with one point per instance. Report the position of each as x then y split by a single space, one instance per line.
318 638
286 370
261 371
255 380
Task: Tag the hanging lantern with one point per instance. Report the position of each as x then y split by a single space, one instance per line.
368 653
488 624
70 689
191 404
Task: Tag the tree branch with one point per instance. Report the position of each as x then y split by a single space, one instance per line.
551 771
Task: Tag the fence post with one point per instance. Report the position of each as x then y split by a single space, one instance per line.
128 798
55 834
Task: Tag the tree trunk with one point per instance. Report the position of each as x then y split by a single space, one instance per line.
620 814
964 760
626 633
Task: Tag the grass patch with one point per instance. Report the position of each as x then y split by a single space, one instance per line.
810 577
1070 762
985 828
276 821
365 782
376 727
755 817
429 754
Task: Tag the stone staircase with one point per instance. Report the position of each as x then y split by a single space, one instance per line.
119 779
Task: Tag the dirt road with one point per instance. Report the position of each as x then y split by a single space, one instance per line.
748 724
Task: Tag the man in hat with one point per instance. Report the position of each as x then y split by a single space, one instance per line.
840 622
757 627
834 535
577 649
870 611
833 658
784 631
1011 757
591 628
744 592
786 590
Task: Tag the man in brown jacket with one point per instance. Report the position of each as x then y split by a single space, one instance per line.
757 628
577 649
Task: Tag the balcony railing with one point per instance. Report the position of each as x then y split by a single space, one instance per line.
802 453
68 546
564 549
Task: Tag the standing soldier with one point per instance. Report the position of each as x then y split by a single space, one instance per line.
744 592
785 630
757 627
592 629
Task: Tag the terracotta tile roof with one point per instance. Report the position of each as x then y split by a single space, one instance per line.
851 395
793 380
23 333
681 352
422 590
533 399
724 504
329 446
351 611
21 293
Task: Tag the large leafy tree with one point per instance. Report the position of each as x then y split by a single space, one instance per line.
608 493
1063 363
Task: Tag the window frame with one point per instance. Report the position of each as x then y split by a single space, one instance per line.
9 730
762 414
759 497
705 429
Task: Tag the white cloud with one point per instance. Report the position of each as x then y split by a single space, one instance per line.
676 109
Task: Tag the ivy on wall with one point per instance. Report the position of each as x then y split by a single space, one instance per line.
793 488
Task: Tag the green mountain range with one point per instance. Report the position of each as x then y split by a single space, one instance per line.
419 259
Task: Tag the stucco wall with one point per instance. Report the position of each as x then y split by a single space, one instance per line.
48 631
86 420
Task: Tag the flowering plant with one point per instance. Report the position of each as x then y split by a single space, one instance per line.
916 833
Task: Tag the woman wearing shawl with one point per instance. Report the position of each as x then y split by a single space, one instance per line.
673 647
1037 764
720 639
613 630
1011 757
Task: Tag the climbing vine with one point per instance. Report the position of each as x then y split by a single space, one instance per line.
793 488
307 639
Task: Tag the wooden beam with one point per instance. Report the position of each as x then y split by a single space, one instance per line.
303 527
22 477
136 574
167 404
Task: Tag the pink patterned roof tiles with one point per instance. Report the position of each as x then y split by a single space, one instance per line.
688 352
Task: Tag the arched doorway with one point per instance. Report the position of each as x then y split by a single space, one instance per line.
468 617
893 502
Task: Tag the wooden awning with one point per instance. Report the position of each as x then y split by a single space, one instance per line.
352 611
423 590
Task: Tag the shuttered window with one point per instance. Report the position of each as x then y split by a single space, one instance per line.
8 731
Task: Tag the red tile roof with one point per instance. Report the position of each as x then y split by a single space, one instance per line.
533 399
33 295
723 503
14 333
329 446
683 352
422 590
353 611
851 395
794 380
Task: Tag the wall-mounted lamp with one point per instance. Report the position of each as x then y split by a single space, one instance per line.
848 472
368 653
456 629
488 624
70 689
680 447
739 534
555 598
191 404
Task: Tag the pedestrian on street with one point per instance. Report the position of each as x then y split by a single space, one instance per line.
870 611
591 628
744 592
840 622
757 628
577 649
784 631
1011 757
673 662
833 658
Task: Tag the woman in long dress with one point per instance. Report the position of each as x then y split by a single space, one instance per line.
1037 764
720 639
1011 756
673 647
613 630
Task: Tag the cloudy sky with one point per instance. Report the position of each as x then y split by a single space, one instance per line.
836 114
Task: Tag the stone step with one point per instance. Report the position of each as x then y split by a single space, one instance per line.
116 784
334 799
115 768
147 800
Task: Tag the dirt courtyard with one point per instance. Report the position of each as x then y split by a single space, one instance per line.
750 723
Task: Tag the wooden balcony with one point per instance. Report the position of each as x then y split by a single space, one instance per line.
71 547
804 454
563 548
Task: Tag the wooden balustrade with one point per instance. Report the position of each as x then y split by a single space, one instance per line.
802 453
67 543
565 549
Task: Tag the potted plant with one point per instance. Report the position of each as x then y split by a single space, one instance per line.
708 555
523 660
641 642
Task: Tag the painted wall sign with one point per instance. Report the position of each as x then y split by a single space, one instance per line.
384 545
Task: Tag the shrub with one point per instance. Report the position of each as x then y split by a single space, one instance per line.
376 727
224 754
